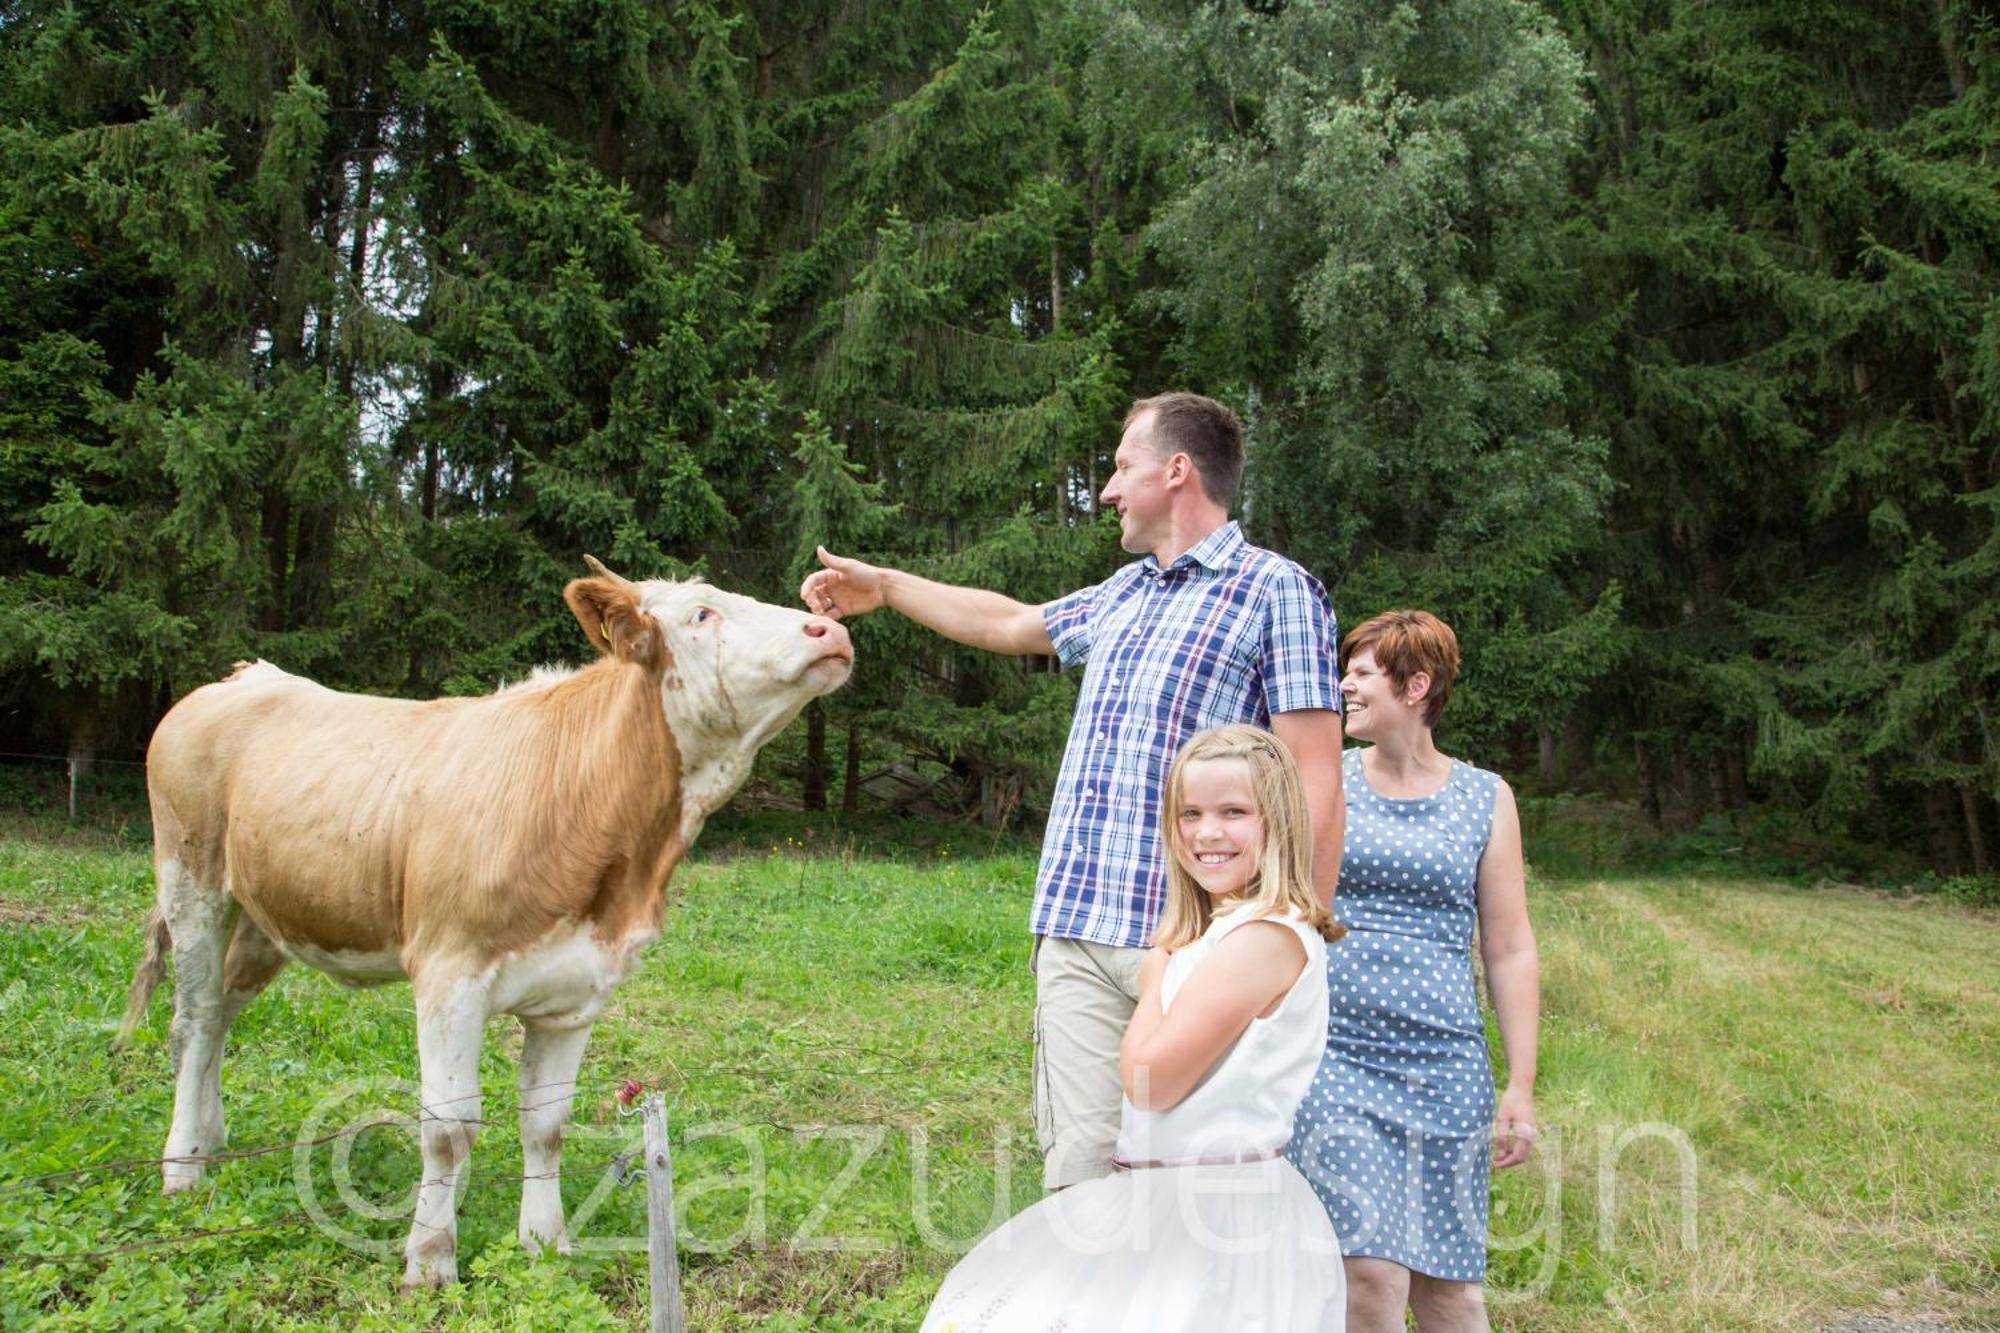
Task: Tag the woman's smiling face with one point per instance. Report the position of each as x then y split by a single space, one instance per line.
1219 832
1371 700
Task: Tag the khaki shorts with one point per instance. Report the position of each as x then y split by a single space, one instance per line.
1084 997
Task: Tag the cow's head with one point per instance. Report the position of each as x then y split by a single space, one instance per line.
732 670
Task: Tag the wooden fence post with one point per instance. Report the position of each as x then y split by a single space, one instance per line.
662 1245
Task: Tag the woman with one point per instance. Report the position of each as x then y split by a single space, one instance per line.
1396 1131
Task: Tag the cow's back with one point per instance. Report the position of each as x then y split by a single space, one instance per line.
292 796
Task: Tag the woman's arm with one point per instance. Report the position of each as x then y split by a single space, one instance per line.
1513 975
1167 1053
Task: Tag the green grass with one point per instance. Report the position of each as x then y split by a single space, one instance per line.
844 1042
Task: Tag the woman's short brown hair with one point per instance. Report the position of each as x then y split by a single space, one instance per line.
1404 643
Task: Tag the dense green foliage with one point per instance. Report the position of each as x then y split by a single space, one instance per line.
1656 344
1793 264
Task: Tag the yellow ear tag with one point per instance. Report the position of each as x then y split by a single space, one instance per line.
604 628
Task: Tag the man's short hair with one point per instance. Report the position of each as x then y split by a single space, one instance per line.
1207 432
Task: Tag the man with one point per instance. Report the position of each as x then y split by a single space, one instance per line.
1206 629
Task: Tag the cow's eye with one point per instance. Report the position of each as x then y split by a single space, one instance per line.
699 615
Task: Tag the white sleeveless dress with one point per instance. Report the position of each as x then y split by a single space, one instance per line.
1198 1244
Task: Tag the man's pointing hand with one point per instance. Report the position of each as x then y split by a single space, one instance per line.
844 588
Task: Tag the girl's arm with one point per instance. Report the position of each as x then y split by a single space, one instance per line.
1166 1054
1513 975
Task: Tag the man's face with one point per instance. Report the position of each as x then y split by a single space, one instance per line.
1138 488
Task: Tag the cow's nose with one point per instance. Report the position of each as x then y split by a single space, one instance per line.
832 632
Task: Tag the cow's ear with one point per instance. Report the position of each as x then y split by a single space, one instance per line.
608 610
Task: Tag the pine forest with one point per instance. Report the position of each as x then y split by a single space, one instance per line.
1654 344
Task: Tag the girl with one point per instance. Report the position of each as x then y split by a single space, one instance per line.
1399 1128
1206 1225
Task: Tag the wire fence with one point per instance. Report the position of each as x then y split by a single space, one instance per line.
120 1165
620 1164
94 787
297 1217
436 1112
73 760
77 784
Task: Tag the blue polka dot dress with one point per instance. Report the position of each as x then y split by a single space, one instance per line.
1395 1132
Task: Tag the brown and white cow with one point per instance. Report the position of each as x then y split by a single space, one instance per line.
508 854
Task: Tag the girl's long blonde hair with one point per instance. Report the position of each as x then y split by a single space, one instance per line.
1283 880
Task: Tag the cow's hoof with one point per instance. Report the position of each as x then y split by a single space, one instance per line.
439 1273
535 1242
180 1179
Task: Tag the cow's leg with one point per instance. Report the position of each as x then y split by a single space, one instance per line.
198 918
207 998
451 1019
549 1061
252 961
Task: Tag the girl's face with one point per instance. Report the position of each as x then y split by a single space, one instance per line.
1375 707
1219 833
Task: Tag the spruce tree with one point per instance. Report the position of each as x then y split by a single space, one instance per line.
1359 259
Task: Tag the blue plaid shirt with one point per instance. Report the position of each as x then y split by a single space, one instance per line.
1229 632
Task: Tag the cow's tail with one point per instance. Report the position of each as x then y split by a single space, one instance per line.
151 968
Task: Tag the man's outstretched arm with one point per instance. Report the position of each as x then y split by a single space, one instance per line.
971 616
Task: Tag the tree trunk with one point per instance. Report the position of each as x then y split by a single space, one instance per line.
1954 63
1055 290
1692 790
999 794
311 600
276 533
357 252
1941 815
1548 762
1579 755
1875 815
431 466
1975 835
440 154
288 354
813 793
439 385
1649 780
850 787
1739 781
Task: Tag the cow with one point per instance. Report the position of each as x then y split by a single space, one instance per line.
507 854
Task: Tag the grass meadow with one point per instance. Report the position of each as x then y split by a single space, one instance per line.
1764 1106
